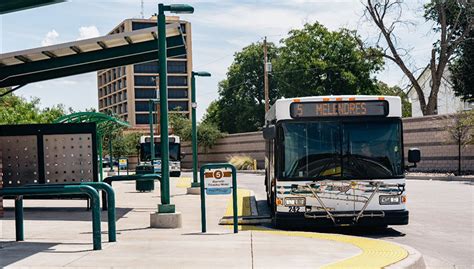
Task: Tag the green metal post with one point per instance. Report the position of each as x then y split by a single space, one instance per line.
19 218
165 206
101 161
111 159
195 183
234 199
203 202
152 136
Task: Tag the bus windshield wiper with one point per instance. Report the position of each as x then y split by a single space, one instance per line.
366 164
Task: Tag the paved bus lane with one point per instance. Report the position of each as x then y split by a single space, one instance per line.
441 221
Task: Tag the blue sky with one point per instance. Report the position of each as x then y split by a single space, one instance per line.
220 28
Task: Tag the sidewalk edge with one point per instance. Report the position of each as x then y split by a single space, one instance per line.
413 261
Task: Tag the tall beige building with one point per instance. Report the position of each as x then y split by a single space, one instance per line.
126 90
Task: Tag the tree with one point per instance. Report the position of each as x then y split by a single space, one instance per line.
384 89
316 61
241 103
18 110
460 130
207 132
462 71
124 144
452 24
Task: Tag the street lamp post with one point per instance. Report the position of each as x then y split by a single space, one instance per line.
195 182
165 206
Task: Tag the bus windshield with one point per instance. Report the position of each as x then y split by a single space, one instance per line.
174 149
340 150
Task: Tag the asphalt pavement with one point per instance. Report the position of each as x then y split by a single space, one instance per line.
441 221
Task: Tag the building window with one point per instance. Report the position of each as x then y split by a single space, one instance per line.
150 67
144 81
141 93
177 93
177 67
143 106
177 81
143 119
179 105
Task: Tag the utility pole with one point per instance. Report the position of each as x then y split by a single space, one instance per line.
141 10
265 73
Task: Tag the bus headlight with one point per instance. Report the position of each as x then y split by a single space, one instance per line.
389 199
295 201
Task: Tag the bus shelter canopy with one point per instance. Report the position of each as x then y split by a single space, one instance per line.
105 124
73 58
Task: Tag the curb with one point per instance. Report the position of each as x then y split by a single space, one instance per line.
446 178
413 261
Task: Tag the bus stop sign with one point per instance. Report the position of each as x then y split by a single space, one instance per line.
218 178
218 181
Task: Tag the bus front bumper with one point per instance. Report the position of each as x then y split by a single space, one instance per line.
321 219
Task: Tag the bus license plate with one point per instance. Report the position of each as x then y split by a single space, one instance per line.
293 209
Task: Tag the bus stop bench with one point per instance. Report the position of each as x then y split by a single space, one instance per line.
136 177
88 188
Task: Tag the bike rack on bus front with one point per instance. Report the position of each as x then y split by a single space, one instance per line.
355 216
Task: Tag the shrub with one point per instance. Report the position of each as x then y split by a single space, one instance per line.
242 162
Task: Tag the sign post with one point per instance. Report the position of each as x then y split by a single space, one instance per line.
217 179
123 165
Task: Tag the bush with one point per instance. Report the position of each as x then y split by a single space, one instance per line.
242 162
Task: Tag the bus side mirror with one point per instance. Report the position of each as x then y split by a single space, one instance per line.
137 147
414 156
269 132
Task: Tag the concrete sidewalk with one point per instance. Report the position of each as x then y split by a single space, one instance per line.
61 236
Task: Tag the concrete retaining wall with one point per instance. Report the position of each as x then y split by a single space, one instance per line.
439 152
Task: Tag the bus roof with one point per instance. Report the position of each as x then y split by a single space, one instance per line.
280 110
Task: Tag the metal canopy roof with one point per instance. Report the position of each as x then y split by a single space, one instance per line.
33 65
7 6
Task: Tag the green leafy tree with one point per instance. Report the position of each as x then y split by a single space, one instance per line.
125 144
18 110
384 89
241 103
181 125
207 132
462 71
316 61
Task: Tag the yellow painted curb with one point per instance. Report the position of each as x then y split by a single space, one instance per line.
243 204
183 182
375 253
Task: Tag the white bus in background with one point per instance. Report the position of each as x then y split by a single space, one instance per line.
174 152
336 161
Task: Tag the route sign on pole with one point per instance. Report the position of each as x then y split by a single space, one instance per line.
218 178
123 165
218 181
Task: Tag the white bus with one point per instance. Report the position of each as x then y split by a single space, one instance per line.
174 150
336 161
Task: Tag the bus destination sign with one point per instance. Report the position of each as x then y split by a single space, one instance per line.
338 109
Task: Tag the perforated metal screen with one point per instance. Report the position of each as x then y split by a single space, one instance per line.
48 154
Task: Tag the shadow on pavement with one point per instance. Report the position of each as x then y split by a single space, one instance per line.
62 213
11 252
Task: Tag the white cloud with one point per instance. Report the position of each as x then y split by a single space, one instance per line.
86 32
51 38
